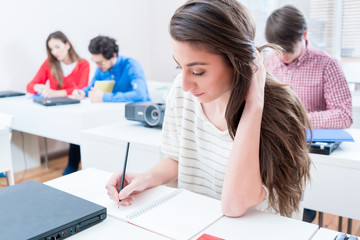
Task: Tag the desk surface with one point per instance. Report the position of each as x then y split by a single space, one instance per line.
126 130
4 130
111 228
63 123
346 155
89 183
325 234
261 225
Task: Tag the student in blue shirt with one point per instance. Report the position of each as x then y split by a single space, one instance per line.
130 84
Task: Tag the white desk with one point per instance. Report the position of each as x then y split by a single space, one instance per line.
63 123
334 186
89 184
104 147
325 234
111 228
261 225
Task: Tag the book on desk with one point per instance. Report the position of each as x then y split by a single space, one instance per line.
170 212
325 141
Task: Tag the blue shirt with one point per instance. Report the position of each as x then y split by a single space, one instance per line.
130 84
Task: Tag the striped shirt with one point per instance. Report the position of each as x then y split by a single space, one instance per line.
319 82
202 150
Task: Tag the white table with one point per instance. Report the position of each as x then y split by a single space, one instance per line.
325 234
63 123
335 179
111 228
104 147
89 184
261 225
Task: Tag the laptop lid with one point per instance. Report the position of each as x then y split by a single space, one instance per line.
55 101
4 94
32 210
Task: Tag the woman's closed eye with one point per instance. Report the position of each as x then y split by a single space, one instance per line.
195 73
198 74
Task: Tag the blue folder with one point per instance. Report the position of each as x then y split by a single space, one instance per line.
329 135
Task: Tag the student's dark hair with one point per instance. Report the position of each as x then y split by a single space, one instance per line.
54 64
285 26
226 28
104 45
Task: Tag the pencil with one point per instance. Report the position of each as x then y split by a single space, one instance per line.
124 170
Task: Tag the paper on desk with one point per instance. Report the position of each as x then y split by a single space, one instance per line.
140 200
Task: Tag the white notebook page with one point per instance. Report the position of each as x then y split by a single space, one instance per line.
181 216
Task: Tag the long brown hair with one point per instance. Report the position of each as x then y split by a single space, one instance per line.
54 64
225 27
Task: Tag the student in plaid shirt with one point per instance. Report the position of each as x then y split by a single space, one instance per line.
313 75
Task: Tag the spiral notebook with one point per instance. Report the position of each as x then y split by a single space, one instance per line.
170 212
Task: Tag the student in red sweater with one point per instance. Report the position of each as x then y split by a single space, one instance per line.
64 69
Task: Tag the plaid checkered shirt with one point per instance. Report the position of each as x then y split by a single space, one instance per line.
320 83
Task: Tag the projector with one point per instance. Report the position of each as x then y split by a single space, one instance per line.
150 113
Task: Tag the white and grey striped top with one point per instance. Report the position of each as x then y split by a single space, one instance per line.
202 150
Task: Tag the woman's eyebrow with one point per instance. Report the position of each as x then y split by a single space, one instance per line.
191 64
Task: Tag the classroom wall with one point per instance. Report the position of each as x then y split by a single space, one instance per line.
139 27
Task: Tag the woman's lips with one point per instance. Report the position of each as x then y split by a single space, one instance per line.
198 95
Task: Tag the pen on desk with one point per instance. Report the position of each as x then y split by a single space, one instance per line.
124 170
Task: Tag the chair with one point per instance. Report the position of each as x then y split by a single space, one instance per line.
5 147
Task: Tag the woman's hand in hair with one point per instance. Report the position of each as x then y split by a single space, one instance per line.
256 91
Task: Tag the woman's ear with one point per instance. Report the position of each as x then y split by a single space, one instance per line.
67 46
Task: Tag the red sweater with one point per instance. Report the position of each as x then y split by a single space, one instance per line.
77 79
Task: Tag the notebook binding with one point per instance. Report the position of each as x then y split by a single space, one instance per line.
153 205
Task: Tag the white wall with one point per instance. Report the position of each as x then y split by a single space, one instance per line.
140 26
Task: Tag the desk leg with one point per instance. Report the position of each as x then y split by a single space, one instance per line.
46 154
10 177
340 224
349 226
321 218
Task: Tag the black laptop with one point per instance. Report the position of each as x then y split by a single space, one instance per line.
32 210
4 94
55 101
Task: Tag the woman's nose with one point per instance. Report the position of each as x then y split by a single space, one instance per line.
187 83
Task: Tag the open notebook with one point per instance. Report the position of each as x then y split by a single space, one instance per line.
173 213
